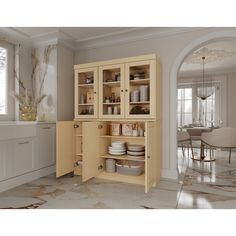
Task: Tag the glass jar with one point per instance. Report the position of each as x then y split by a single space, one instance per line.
28 113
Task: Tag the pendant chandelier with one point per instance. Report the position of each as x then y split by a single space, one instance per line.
203 92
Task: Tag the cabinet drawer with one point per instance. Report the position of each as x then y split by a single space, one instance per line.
23 156
46 145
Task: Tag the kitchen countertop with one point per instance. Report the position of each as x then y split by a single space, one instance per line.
26 122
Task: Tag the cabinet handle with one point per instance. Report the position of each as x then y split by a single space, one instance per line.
46 127
23 143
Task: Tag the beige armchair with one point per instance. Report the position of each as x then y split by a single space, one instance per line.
224 137
184 140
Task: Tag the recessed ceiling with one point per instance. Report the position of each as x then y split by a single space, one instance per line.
75 33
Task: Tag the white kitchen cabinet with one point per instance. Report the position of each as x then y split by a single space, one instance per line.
23 155
45 145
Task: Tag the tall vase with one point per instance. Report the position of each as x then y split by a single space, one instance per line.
28 113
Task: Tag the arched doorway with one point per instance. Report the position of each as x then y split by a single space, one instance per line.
211 37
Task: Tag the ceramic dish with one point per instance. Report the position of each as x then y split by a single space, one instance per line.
136 157
117 148
117 154
136 148
118 151
135 153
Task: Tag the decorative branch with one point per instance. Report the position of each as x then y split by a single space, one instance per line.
24 98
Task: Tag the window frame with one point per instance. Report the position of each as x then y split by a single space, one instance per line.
10 105
196 103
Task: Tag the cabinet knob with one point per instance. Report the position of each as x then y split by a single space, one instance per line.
126 90
76 126
94 92
122 90
148 157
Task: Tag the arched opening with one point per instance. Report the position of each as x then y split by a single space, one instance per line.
209 38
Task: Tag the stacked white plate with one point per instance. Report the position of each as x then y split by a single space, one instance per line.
136 151
117 148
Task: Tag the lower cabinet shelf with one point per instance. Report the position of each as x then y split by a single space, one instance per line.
123 157
122 178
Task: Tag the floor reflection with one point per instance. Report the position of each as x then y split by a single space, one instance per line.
207 184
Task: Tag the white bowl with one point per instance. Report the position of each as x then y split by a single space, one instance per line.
135 153
136 148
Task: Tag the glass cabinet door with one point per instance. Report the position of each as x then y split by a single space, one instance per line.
140 89
111 91
86 93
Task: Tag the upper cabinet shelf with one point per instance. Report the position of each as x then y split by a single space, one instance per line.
126 88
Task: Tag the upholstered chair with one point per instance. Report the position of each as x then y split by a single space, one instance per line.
224 138
184 140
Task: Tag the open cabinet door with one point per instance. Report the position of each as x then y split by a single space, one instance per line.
91 157
150 158
65 147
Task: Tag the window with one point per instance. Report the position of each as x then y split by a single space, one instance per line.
206 109
6 81
184 106
191 109
3 81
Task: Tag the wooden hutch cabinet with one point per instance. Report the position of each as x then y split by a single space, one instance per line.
117 93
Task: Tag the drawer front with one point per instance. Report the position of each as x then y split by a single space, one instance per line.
46 145
23 156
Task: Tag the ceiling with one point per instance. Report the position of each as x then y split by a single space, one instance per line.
77 34
99 35
220 57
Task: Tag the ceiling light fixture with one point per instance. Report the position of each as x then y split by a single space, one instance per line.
204 92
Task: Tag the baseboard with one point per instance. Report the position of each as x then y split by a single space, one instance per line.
169 174
22 179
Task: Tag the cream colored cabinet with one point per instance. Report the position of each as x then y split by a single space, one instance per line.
86 99
140 89
127 88
74 152
111 91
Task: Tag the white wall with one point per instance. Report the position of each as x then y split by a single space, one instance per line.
65 87
47 109
59 85
167 48
231 99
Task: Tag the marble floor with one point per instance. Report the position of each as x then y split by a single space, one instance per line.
201 185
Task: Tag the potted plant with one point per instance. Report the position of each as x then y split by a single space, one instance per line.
29 99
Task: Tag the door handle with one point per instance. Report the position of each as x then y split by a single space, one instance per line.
23 143
46 127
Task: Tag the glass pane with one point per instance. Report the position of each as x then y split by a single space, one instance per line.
179 106
179 93
188 93
208 117
111 91
86 93
3 61
209 106
139 86
178 117
187 119
188 106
